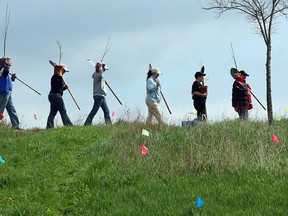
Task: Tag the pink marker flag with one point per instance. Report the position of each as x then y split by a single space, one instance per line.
113 113
274 138
144 150
35 117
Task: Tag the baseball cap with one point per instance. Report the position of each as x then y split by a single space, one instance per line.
243 73
198 74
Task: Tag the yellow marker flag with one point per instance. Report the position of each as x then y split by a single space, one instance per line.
145 132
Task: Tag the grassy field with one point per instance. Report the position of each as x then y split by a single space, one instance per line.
99 170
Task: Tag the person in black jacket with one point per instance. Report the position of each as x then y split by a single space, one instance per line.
199 96
55 97
240 100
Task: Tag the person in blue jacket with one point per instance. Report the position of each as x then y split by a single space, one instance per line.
6 91
153 96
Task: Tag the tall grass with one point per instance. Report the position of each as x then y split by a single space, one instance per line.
99 170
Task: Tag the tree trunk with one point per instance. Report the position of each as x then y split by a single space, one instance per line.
268 84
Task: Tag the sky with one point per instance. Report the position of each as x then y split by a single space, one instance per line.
178 37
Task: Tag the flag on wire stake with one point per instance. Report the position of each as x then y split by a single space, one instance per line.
274 138
277 117
35 117
145 132
1 159
144 150
199 203
113 113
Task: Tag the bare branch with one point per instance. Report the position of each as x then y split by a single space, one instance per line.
233 55
260 12
60 51
7 21
107 48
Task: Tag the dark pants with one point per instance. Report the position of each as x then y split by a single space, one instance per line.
57 104
99 101
243 114
200 106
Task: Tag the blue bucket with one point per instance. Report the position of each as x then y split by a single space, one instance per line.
189 123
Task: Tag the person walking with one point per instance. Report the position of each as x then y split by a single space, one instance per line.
99 94
153 96
55 96
199 96
240 92
6 92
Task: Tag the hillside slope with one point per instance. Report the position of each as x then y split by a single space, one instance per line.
99 170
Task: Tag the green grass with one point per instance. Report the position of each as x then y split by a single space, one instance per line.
99 170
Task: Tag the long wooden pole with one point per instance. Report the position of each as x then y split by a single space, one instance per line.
165 102
71 95
27 85
73 98
257 100
113 92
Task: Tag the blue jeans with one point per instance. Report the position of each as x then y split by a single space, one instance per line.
99 101
57 104
243 114
7 102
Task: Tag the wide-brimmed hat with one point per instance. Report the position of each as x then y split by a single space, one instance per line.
234 72
57 67
64 67
156 71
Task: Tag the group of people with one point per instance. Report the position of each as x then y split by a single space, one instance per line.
58 86
241 97
241 94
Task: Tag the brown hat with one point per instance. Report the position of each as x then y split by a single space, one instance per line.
234 72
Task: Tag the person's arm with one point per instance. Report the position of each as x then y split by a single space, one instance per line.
151 86
5 70
200 94
195 90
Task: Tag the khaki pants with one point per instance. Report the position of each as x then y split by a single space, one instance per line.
153 110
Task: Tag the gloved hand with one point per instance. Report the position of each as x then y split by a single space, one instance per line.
250 106
13 77
6 66
158 83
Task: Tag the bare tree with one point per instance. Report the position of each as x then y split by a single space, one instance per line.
7 21
107 48
263 13
60 51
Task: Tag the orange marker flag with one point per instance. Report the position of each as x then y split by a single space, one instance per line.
274 138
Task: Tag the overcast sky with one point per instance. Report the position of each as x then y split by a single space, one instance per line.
178 37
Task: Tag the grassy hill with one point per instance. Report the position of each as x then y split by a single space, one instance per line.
99 170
